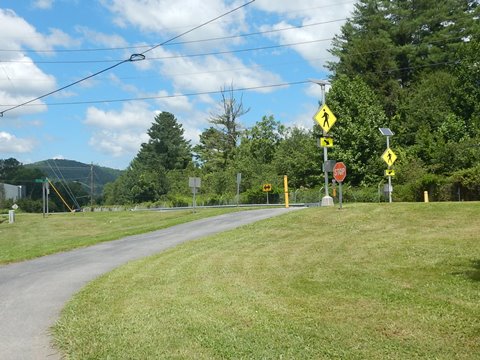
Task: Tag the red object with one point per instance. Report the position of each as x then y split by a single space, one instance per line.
339 171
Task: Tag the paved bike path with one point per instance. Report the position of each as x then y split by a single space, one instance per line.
33 292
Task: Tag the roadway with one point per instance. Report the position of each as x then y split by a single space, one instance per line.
32 293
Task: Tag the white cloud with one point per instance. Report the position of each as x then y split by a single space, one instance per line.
120 132
306 12
165 16
133 115
212 73
174 104
11 144
43 4
18 33
58 157
100 38
118 143
21 79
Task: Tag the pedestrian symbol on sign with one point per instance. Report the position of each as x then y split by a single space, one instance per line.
325 118
389 157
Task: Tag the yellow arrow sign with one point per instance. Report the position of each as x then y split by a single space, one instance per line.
389 172
326 142
267 187
389 157
325 118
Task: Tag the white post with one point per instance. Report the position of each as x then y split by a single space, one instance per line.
11 216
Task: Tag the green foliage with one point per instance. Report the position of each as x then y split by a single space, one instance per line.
299 157
156 169
409 66
467 183
263 139
415 66
358 142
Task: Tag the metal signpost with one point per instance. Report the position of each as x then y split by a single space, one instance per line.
389 157
325 118
267 188
239 180
194 183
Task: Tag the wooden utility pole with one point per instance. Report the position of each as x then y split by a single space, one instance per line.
92 186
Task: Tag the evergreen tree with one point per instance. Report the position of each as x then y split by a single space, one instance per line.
146 179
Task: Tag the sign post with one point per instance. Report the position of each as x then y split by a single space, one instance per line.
339 173
325 118
239 180
267 188
389 157
194 183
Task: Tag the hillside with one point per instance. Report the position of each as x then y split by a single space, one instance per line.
71 170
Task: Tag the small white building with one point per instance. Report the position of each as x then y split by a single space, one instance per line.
12 192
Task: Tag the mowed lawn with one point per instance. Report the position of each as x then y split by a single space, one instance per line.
373 281
32 235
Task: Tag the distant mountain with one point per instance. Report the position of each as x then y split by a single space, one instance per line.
70 170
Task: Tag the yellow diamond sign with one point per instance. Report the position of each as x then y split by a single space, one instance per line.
325 118
389 157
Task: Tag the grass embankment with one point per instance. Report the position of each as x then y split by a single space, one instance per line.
32 235
397 281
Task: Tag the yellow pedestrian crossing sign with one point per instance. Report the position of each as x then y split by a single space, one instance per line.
326 142
389 157
325 118
389 172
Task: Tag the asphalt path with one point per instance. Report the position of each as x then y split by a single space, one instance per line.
32 293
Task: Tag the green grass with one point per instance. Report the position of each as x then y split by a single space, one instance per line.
32 235
389 281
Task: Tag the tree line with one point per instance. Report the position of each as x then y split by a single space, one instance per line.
411 66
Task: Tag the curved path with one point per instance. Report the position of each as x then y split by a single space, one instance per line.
32 293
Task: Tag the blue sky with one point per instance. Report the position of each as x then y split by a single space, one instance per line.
47 44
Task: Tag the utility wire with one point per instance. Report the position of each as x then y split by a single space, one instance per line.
176 95
64 183
234 51
182 56
133 57
212 92
179 42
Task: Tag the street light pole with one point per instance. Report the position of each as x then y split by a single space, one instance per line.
389 177
327 200
387 133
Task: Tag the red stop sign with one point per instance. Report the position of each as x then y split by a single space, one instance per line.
339 171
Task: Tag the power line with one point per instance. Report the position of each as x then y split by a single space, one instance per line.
181 56
133 57
177 43
198 40
271 65
63 183
212 92
176 95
